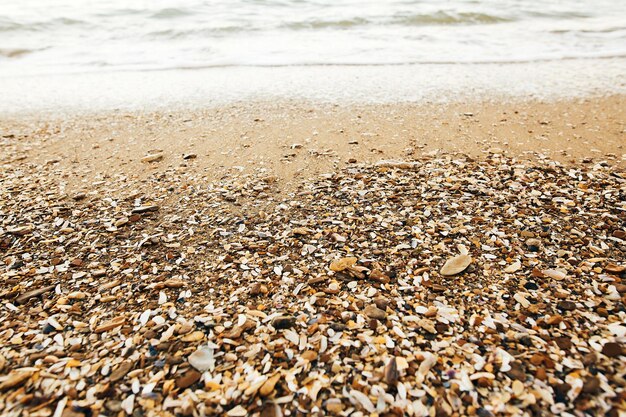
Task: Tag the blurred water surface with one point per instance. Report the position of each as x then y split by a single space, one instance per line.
66 36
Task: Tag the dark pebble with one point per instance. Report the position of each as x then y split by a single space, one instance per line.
560 392
188 379
563 342
531 286
283 322
591 385
566 305
612 349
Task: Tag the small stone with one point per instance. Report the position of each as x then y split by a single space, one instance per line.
268 386
283 322
620 234
517 371
560 392
533 244
15 379
301 231
390 373
381 303
378 276
121 371
566 305
188 379
193 337
339 265
591 385
517 387
564 343
536 359
529 285
309 355
374 312
77 295
612 349
256 289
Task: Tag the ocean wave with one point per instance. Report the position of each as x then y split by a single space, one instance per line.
449 18
171 13
7 25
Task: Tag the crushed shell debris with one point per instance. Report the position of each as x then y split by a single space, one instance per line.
183 296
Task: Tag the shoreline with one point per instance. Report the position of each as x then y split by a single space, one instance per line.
297 140
193 89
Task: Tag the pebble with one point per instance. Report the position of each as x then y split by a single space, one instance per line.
188 379
15 379
533 244
374 312
612 349
390 373
121 371
283 322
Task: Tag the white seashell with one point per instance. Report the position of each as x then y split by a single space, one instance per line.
456 265
128 404
618 329
363 400
424 368
145 316
556 274
162 298
514 267
202 359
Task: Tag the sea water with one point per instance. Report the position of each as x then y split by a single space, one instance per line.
123 53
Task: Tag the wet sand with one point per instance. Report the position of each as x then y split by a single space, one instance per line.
297 259
297 141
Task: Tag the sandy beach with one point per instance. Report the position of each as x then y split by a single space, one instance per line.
298 140
295 258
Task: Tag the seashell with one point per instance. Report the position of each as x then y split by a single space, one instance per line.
556 274
363 400
456 265
202 359
514 267
238 411
268 386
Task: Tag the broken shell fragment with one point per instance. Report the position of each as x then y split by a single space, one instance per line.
456 265
202 359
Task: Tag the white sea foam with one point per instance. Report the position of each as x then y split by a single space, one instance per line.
72 52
